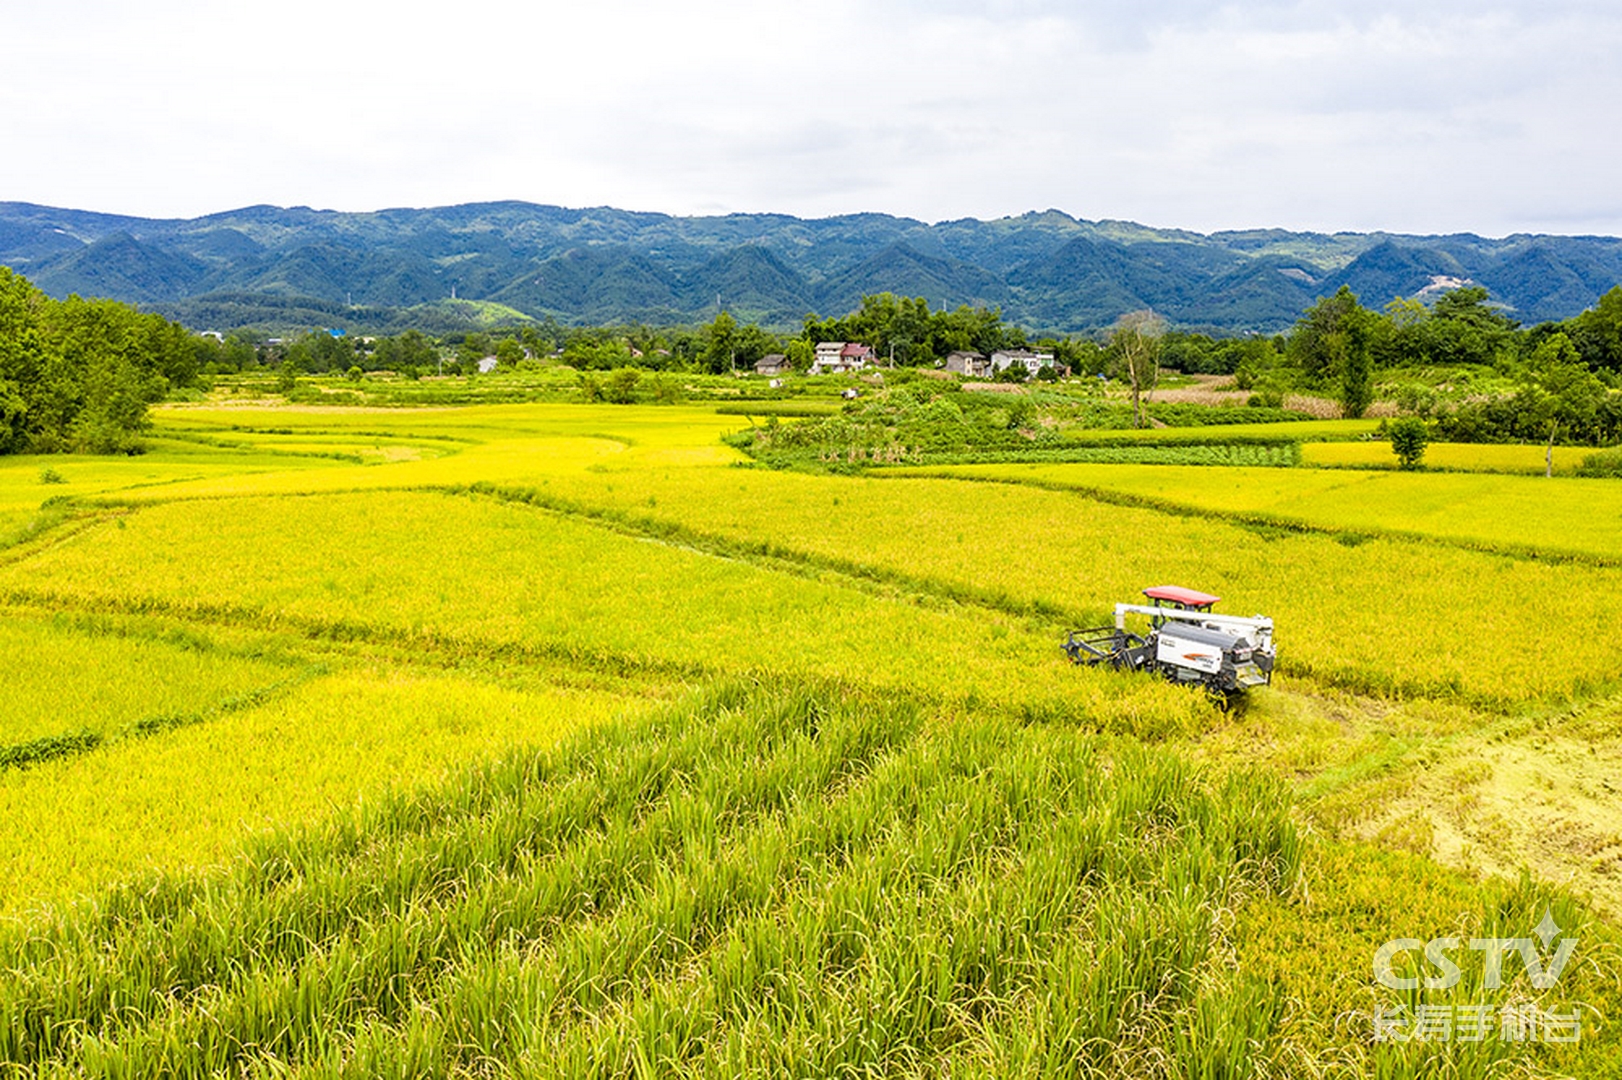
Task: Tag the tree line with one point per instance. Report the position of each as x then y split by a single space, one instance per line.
78 374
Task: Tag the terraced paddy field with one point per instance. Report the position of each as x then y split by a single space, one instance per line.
1552 518
559 740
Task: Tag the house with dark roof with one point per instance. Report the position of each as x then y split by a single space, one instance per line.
773 364
967 362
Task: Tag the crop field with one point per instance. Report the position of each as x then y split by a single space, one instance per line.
1562 516
552 739
89 682
1458 457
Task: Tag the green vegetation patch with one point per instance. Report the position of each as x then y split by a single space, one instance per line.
918 423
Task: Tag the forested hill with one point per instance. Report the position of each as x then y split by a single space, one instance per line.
267 266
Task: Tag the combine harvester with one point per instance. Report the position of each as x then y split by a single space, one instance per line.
1186 643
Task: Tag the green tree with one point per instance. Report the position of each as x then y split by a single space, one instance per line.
114 409
619 386
287 374
79 374
509 352
1597 332
1409 436
1558 391
800 354
1331 345
1356 374
721 344
409 351
1465 328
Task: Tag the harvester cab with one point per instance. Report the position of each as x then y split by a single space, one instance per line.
1186 642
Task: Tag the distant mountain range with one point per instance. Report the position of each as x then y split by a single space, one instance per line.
458 267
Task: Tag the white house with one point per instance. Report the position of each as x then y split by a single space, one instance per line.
840 357
1033 362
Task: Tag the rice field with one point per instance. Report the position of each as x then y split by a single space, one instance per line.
1024 548
546 740
1458 457
759 881
189 799
1559 516
75 683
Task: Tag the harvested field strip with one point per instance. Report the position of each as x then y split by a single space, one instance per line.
748 878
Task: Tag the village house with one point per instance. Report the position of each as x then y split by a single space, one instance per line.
966 362
772 364
840 357
1033 362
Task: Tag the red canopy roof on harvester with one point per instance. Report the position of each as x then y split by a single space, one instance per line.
1178 595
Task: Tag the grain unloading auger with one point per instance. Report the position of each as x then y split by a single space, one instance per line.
1186 642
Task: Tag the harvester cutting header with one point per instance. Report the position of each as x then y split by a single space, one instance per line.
1186 642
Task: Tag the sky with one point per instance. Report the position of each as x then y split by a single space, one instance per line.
1449 116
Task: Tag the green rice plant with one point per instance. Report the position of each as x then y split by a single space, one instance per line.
1605 463
780 879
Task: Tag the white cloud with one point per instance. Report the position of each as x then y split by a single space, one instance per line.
1453 116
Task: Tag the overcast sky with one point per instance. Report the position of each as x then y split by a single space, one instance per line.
1490 117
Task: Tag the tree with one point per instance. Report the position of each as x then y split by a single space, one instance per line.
720 343
287 374
407 352
1135 341
1331 344
79 374
1356 374
799 353
1465 328
1409 436
509 352
1597 332
1557 390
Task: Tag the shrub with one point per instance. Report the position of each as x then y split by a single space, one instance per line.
1606 463
1409 436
